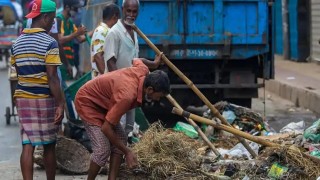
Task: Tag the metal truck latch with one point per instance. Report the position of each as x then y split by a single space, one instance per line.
227 45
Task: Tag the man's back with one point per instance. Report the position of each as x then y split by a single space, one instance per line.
97 43
31 52
117 87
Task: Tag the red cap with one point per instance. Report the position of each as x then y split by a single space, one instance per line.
41 6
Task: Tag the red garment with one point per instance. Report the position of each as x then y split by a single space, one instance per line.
110 95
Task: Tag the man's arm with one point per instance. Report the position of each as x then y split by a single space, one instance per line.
82 38
98 59
61 53
55 89
64 39
108 130
152 64
111 50
111 64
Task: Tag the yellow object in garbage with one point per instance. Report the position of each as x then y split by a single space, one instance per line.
277 171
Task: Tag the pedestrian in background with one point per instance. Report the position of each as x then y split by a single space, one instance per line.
121 47
18 8
110 16
39 102
68 31
76 18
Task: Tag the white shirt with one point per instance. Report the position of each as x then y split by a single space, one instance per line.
120 45
18 9
98 42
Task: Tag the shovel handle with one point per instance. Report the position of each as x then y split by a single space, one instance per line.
223 127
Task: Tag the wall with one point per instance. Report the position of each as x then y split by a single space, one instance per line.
315 30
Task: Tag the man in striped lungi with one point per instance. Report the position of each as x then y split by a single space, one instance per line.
40 106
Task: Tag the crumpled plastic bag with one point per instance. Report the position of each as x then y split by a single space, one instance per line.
229 116
297 128
239 150
312 133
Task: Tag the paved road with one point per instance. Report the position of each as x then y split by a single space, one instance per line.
278 111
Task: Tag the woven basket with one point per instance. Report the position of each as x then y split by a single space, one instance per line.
72 157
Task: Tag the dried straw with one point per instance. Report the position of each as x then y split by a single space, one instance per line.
295 158
302 167
163 153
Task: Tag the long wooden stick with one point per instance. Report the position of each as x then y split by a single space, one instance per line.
196 127
234 131
193 87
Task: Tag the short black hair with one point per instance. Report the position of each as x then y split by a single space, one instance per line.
37 18
72 3
111 10
159 81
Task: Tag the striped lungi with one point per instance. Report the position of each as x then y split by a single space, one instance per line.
36 117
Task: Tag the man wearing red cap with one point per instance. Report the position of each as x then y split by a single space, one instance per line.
40 106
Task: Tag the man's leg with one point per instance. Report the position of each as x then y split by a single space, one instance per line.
93 170
49 159
26 161
130 119
116 154
100 149
115 162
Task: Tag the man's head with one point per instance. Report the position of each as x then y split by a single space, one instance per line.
70 7
43 13
156 85
111 14
130 9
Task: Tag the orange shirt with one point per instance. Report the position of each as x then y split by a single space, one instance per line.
111 95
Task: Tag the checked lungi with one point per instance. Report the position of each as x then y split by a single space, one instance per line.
36 117
101 146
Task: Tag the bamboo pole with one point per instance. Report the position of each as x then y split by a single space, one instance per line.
237 132
193 87
234 131
196 127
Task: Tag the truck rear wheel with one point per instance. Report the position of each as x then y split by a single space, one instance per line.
245 102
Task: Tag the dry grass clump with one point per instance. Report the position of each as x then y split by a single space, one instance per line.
296 158
163 153
300 165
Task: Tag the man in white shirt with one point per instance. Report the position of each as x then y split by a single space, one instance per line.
18 9
121 47
111 14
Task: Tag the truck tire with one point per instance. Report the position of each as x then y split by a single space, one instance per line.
8 115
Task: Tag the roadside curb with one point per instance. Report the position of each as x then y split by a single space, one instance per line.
300 97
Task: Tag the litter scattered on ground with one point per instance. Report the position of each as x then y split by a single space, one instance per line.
312 133
297 128
239 151
241 118
179 153
187 129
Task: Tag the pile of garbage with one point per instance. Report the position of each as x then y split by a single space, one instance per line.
241 118
297 156
180 153
167 154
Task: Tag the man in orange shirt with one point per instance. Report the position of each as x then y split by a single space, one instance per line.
102 101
